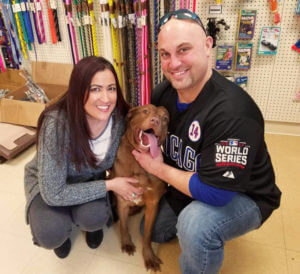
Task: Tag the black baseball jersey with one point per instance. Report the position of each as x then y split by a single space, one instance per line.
220 136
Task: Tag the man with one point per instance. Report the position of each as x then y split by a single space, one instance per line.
220 177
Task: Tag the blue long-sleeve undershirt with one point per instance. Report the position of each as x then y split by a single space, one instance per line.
209 194
201 191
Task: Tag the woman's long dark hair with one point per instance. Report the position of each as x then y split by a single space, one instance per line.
72 103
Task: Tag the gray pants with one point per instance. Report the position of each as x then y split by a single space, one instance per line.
51 226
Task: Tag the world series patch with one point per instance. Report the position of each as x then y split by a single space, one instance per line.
232 152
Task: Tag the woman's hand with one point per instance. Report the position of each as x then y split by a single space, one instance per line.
124 186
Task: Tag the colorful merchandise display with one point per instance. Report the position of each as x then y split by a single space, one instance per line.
224 59
243 55
269 40
246 24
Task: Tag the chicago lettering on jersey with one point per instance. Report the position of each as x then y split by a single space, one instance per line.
185 158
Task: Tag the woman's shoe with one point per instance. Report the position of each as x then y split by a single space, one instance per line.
94 239
64 250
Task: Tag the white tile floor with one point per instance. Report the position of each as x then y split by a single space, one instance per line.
273 249
19 255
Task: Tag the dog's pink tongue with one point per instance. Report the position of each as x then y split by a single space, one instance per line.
154 148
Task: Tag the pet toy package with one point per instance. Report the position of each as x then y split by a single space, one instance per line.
224 59
246 24
269 39
243 54
242 81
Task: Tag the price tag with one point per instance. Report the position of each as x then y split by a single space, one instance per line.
215 9
38 6
17 8
32 7
114 22
120 21
100 20
23 7
13 6
143 20
77 22
139 22
86 20
131 18
53 4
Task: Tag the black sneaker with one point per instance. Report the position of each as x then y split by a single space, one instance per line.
94 239
64 250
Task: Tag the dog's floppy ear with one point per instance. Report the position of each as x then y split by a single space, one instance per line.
131 113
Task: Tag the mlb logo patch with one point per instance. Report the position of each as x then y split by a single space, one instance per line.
233 142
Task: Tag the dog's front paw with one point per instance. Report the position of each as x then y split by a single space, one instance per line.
153 263
129 248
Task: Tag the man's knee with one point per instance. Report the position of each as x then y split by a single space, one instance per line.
196 230
160 233
164 227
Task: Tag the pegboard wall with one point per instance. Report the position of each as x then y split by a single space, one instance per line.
273 80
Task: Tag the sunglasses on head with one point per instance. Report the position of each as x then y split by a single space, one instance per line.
180 14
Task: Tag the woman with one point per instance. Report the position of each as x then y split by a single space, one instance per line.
78 138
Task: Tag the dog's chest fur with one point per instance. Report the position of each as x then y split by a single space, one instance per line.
126 166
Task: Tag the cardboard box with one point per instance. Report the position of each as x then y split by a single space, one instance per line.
11 80
14 139
53 78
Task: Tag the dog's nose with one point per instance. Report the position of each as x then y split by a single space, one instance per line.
154 121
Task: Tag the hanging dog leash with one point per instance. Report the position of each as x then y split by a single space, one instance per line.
35 21
20 32
12 32
78 23
138 39
131 61
53 20
145 54
93 28
27 21
86 22
84 31
120 8
113 21
71 30
51 23
105 24
39 10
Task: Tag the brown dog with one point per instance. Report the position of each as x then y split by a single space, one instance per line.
146 131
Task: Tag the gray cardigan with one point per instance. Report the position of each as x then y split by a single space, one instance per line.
53 175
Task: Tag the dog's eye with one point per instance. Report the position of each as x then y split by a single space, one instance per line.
146 111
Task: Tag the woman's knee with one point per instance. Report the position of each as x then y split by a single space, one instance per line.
51 236
91 216
50 226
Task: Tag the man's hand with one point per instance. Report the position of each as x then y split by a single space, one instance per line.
151 165
168 174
